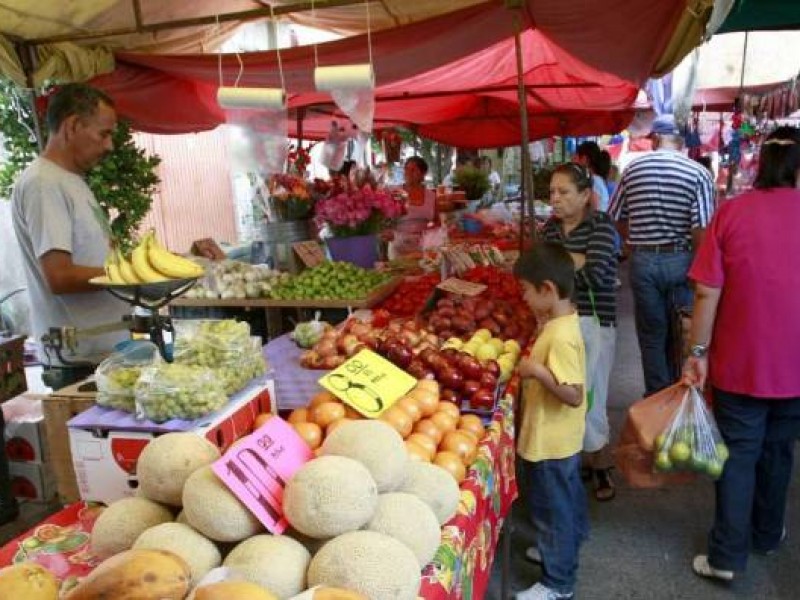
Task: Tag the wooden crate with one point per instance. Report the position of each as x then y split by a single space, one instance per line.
59 407
12 367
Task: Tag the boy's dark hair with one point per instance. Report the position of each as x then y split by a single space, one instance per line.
73 99
547 261
779 160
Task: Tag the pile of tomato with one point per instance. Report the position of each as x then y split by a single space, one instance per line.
410 296
501 284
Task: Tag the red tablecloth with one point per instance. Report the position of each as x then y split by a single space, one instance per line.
460 569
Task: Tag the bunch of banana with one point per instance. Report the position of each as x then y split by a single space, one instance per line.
150 262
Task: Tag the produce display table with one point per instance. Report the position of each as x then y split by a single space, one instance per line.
294 385
460 569
272 306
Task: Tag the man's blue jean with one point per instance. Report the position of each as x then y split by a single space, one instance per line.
751 493
659 287
557 504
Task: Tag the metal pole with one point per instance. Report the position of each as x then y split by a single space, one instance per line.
27 56
527 175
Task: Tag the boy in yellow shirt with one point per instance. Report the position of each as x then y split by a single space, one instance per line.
550 437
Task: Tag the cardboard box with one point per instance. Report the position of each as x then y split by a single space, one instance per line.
32 481
105 459
12 367
58 408
24 432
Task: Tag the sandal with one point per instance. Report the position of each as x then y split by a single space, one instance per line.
604 489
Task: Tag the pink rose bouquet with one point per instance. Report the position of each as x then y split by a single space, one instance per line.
358 211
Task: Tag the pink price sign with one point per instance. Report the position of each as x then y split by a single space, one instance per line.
256 470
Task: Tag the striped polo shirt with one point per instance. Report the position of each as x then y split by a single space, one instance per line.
663 195
594 237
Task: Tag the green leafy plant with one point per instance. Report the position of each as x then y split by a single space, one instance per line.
19 137
474 182
123 182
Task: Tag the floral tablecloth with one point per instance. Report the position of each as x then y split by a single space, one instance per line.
462 565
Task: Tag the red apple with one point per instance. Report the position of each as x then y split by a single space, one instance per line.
483 399
488 380
470 386
416 368
470 366
400 355
451 356
450 378
492 367
445 302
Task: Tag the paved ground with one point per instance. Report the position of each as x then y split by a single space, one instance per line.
642 543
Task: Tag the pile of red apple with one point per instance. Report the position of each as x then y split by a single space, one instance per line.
337 345
463 379
461 316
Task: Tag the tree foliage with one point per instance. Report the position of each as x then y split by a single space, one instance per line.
123 183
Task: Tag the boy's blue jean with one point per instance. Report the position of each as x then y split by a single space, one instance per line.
659 286
751 494
557 503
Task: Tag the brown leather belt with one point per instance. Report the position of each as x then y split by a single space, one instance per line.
671 248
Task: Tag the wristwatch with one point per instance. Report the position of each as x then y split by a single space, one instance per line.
698 350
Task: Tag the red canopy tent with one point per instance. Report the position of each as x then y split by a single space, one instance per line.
442 75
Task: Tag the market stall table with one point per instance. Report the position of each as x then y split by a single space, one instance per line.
460 569
272 306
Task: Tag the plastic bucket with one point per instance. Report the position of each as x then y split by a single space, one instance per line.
278 239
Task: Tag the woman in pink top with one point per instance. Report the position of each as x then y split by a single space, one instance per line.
746 342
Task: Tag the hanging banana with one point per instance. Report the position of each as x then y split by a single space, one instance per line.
141 266
126 269
170 264
112 269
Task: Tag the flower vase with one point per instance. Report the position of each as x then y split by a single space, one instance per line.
361 250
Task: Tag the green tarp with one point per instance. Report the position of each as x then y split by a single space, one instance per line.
755 15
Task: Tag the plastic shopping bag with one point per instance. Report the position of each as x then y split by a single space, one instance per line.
633 454
117 375
691 441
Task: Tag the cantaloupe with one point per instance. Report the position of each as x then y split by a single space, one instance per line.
408 519
29 581
118 526
199 552
434 486
213 510
276 562
375 445
309 543
232 590
329 496
370 563
135 575
166 463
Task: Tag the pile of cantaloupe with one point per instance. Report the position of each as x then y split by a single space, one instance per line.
365 519
433 430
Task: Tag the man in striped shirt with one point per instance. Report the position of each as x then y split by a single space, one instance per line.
662 206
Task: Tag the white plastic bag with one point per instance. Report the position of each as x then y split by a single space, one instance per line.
691 441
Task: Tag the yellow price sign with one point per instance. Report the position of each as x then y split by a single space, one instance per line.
369 383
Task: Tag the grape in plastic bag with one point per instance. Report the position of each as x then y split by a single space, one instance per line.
308 333
175 391
691 441
221 345
117 375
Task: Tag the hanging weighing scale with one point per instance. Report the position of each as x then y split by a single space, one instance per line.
150 297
